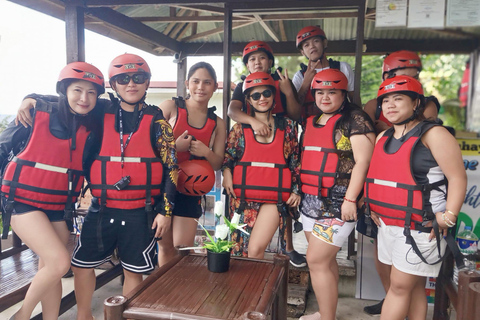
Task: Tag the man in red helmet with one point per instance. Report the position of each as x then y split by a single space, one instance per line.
312 43
398 63
258 57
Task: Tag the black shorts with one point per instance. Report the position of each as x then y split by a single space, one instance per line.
367 227
187 206
126 230
21 208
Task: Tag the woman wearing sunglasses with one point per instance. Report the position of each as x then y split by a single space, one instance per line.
132 180
261 172
199 134
44 177
336 149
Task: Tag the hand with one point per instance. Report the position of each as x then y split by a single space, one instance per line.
293 200
23 114
228 183
311 71
161 224
284 83
375 218
199 149
183 142
260 128
349 211
442 227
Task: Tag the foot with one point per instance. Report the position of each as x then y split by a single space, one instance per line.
296 259
374 310
314 316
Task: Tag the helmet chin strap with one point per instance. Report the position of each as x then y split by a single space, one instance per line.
411 118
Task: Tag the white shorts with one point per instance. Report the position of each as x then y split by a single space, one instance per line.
393 250
330 230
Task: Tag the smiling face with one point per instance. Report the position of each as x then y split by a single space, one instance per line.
329 100
397 107
201 85
263 104
259 62
82 96
131 92
313 48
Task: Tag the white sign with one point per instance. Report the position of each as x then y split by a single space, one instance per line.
426 14
463 13
391 13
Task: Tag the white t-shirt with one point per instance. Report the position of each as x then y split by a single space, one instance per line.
344 67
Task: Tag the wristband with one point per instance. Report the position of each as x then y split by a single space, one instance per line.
453 214
447 221
348 200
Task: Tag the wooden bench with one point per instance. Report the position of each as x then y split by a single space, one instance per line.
19 265
465 297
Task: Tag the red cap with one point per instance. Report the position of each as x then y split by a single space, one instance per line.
330 79
127 63
400 60
81 71
399 84
255 46
309 32
258 79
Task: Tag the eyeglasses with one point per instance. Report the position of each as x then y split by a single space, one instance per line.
138 78
266 93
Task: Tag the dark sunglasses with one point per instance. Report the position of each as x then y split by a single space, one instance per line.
138 78
266 93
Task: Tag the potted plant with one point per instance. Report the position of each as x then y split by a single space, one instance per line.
219 249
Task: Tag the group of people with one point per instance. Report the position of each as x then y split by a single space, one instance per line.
336 172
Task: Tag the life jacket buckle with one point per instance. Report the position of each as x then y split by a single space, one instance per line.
148 206
9 206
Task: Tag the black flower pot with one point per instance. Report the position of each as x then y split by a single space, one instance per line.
218 261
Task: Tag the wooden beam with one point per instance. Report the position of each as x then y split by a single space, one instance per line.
186 19
74 33
227 61
267 28
215 31
134 28
283 34
347 47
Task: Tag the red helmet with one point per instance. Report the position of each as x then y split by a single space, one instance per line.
127 63
309 32
81 71
400 60
399 84
330 79
255 46
195 177
258 79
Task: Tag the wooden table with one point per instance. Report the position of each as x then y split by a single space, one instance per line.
185 289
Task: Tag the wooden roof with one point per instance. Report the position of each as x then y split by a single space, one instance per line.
164 27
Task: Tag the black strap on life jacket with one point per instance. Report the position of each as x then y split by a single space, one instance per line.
333 64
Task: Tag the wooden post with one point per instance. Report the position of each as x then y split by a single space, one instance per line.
473 308
279 310
113 307
181 76
464 280
227 60
75 32
359 52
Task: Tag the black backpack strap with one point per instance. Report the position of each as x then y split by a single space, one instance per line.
179 102
334 64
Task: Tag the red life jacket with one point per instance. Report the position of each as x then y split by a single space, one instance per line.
262 174
140 163
319 171
46 174
280 107
203 134
391 189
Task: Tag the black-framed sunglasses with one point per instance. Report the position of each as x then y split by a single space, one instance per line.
266 93
138 78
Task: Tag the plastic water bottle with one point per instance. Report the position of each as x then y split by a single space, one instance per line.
468 243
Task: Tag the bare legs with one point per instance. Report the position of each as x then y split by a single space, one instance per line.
49 243
322 262
406 294
182 233
263 230
84 282
383 270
